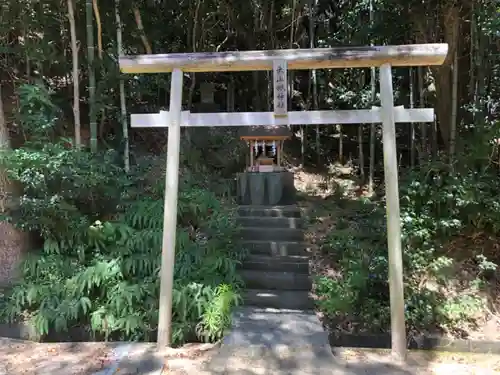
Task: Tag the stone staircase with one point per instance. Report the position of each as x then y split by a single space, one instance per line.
276 331
276 272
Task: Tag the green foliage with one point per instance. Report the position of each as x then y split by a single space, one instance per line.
101 236
444 213
38 113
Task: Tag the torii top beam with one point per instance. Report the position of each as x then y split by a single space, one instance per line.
315 58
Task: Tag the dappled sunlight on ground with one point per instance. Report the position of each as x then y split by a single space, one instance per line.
330 202
332 181
23 357
29 358
422 362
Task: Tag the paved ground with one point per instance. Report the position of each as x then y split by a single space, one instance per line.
346 362
262 342
277 342
143 359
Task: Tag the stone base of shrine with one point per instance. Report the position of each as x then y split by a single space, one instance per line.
266 188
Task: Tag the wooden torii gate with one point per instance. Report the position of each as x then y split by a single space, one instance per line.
280 61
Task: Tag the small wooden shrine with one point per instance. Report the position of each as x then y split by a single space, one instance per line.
265 145
265 180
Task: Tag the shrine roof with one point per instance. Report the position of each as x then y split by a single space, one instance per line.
265 132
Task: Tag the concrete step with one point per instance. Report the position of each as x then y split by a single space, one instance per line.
272 211
271 234
267 341
297 263
275 248
275 280
270 222
278 299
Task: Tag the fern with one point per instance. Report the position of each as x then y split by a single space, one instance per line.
102 236
106 274
216 317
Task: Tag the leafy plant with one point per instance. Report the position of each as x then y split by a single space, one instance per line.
101 239
443 211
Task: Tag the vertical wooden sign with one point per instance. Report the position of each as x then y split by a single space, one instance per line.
207 92
280 87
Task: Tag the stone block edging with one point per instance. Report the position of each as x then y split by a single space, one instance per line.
421 342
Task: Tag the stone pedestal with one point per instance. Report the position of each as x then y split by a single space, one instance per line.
266 188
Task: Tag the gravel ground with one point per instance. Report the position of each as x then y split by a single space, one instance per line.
419 363
368 362
24 357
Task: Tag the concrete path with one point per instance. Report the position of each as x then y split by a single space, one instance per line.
261 341
267 341
276 342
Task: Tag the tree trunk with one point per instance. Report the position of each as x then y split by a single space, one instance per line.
480 88
92 85
291 81
361 155
434 139
444 86
192 86
412 125
12 241
454 106
424 150
447 22
123 107
76 75
341 145
312 41
472 56
373 86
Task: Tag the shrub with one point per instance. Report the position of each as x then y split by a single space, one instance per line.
445 272
101 236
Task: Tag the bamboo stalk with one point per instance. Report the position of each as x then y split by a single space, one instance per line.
76 80
92 83
123 106
373 93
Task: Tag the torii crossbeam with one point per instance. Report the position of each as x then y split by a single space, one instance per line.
279 61
338 117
